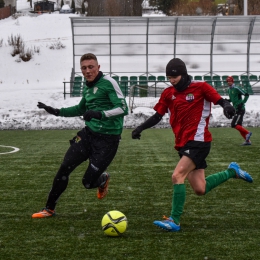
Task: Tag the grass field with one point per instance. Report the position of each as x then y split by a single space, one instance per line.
224 224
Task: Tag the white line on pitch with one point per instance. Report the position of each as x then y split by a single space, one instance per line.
14 151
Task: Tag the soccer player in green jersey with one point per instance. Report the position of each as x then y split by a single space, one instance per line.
235 96
103 108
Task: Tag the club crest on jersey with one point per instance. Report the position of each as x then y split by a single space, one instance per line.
190 97
77 139
173 97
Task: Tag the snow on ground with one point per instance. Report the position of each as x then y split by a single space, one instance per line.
23 84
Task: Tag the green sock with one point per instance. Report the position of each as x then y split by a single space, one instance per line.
212 181
178 200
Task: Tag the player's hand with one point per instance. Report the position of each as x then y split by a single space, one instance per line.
88 115
229 110
50 110
136 134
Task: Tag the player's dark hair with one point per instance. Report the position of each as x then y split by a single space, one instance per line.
88 56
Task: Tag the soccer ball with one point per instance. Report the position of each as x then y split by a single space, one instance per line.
114 223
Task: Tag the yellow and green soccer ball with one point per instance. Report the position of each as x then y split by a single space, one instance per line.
114 223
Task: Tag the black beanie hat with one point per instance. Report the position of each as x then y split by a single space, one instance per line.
176 67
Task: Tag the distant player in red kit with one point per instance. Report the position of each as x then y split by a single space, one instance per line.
189 106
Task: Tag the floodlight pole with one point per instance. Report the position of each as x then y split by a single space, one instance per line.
245 7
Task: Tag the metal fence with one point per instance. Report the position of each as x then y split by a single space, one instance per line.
213 45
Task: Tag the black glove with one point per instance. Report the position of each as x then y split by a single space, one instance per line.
50 110
229 110
88 115
136 134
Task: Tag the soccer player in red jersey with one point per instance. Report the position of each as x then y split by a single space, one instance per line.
189 106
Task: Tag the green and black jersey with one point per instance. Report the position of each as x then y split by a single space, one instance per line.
235 95
104 96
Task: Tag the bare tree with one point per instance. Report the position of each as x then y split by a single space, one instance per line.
185 7
137 7
95 8
115 7
236 7
253 7
240 7
112 7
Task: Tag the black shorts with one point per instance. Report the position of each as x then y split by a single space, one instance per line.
100 149
197 152
238 118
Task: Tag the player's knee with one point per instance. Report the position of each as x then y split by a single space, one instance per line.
177 178
200 192
86 184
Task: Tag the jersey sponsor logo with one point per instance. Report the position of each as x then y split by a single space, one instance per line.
190 97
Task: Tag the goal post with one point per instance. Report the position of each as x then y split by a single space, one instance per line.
145 96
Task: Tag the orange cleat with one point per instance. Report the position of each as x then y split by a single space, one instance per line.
103 189
44 213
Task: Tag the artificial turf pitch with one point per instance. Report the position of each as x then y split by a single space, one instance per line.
224 224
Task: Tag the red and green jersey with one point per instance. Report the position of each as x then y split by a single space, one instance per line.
189 111
105 96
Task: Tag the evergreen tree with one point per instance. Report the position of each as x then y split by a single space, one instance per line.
2 3
73 6
83 8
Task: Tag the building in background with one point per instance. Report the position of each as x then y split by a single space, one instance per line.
8 9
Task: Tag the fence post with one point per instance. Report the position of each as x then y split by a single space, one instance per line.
64 90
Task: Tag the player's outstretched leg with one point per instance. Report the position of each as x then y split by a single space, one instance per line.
240 174
167 224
